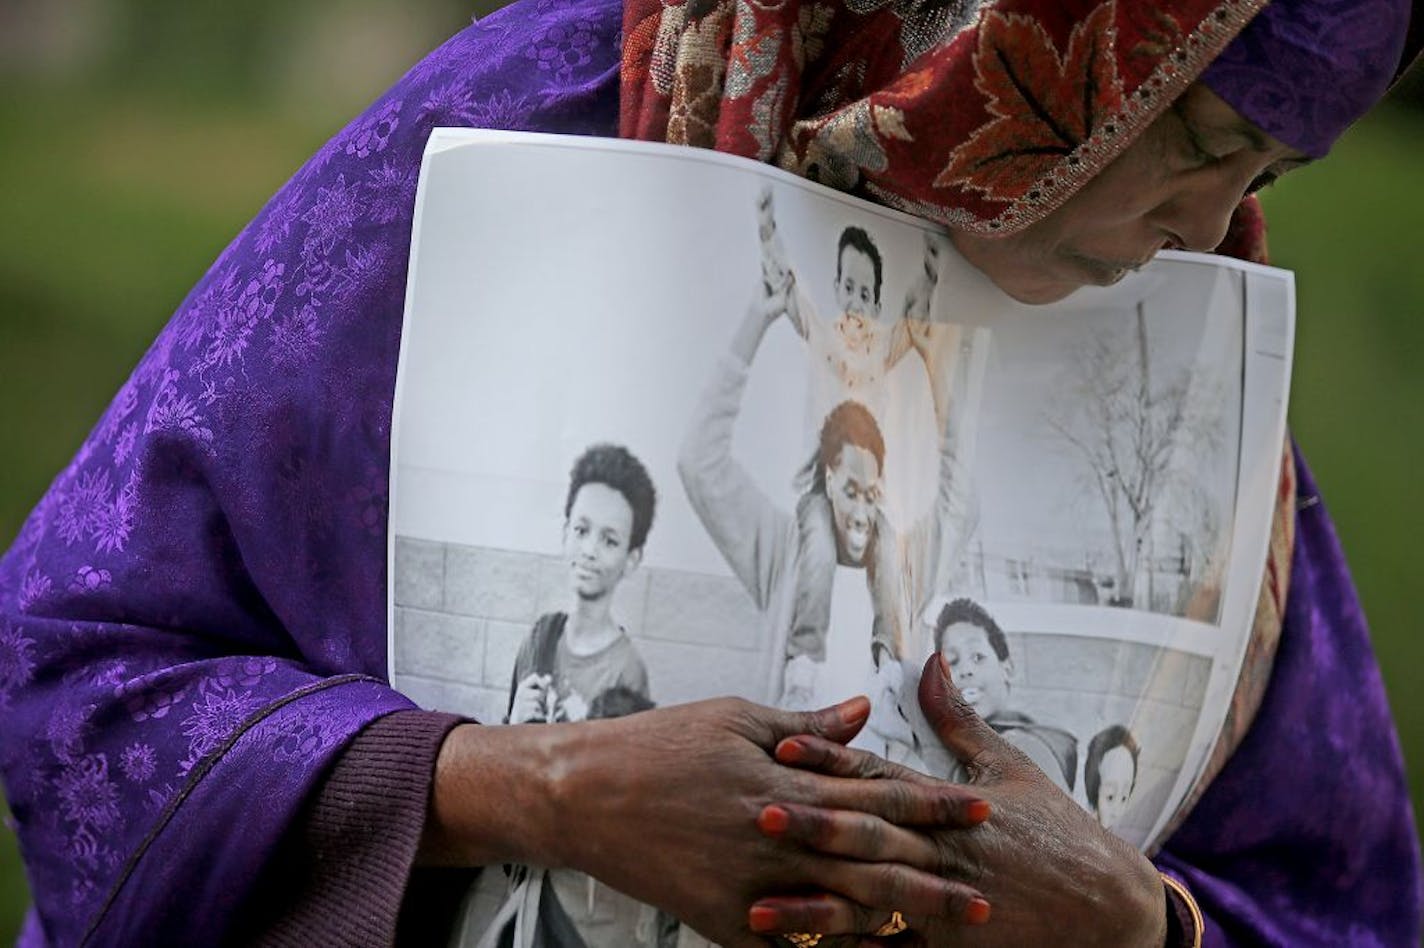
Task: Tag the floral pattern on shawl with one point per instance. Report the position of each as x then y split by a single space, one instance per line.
193 617
1045 105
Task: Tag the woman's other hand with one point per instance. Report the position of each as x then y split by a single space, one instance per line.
1044 865
663 805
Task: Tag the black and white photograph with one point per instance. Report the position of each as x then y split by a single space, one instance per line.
1066 700
1138 409
805 485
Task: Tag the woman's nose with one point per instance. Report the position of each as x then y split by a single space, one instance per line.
1197 215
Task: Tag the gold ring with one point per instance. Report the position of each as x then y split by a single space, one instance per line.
804 939
895 926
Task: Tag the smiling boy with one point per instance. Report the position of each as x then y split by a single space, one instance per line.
572 657
977 653
580 664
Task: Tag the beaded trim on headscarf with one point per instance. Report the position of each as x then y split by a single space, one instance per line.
984 115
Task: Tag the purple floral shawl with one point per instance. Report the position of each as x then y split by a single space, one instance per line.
192 621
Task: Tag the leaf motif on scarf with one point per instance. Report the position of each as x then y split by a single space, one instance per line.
753 55
848 142
1160 38
663 64
765 126
692 117
890 122
912 84
1044 104
639 44
697 84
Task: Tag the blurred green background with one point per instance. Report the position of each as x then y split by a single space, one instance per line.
138 136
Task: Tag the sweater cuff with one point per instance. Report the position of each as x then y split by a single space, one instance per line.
341 875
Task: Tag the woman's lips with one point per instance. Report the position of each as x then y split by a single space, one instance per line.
1107 272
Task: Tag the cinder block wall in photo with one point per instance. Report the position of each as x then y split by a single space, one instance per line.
463 612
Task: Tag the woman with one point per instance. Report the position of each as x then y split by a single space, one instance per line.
192 616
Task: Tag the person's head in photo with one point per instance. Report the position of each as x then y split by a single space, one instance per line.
859 273
607 514
977 652
848 468
1110 772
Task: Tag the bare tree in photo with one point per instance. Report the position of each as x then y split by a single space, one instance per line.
1132 430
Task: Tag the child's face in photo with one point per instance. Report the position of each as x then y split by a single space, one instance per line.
855 285
853 488
1116 774
596 538
975 669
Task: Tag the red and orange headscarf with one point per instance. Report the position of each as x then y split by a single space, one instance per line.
980 115
983 115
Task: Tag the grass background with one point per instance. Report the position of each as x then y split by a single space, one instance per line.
116 195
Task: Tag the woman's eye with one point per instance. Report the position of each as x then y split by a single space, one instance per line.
1261 182
1197 154
1200 156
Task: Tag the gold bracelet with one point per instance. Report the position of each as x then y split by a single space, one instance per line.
1181 891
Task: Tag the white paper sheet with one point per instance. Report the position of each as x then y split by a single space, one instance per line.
1097 476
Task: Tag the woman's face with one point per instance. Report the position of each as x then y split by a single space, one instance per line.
1174 187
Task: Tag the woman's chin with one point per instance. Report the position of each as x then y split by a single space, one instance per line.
1041 287
1040 293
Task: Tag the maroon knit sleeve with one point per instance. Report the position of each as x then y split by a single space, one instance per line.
344 874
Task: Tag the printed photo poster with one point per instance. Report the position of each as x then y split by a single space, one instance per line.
672 425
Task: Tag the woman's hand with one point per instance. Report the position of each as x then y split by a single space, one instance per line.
662 805
1043 863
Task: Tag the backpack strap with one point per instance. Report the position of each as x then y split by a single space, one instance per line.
548 631
544 645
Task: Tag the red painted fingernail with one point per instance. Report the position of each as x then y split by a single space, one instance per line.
977 811
773 820
761 918
790 751
977 913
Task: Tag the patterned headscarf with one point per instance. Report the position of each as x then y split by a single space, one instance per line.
984 115
1304 70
